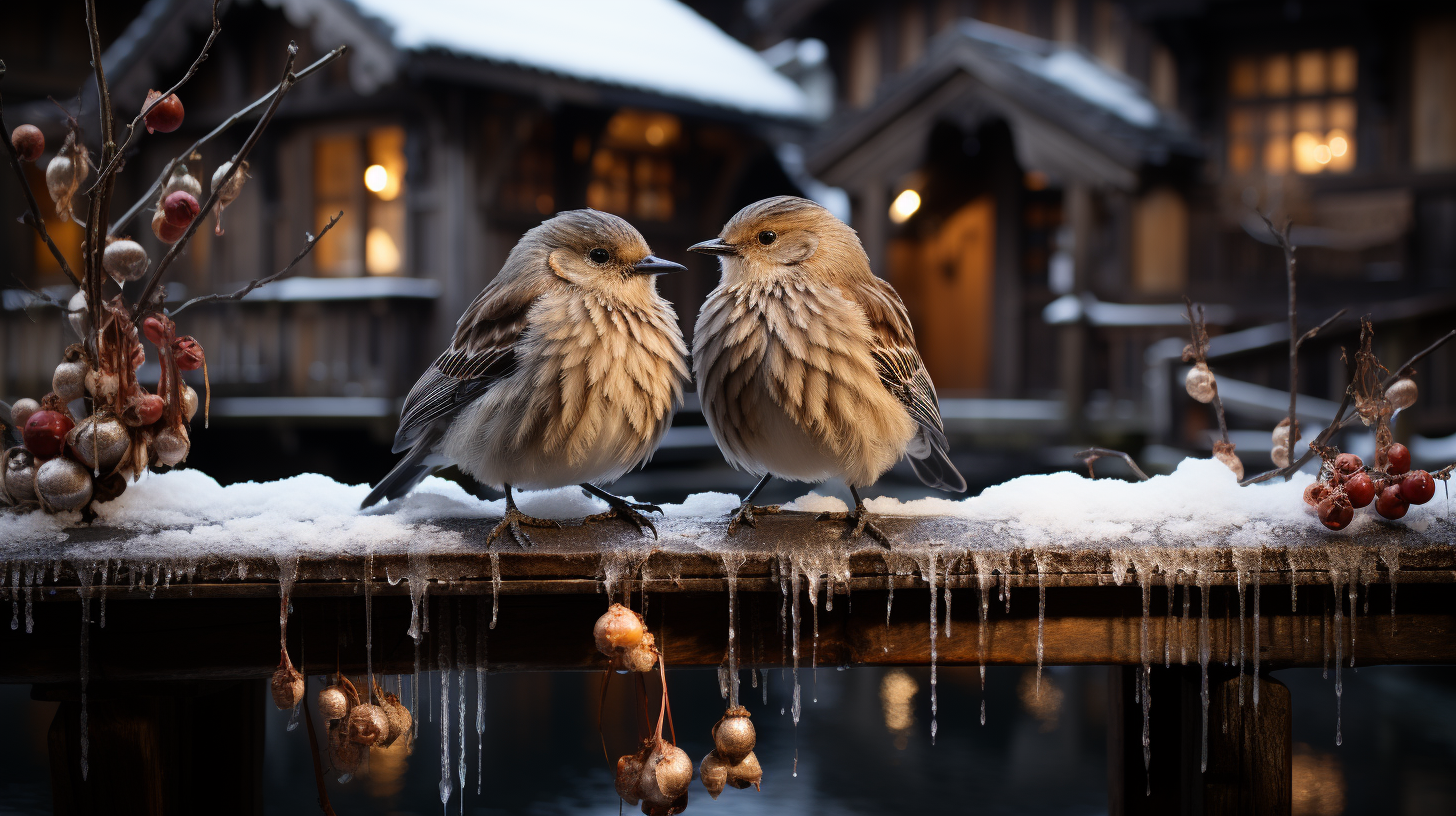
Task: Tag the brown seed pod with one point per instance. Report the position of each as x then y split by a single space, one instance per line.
125 260
400 720
618 628
746 772
666 772
21 410
1200 383
1402 393
65 173
28 142
69 380
166 115
229 190
189 402
733 735
99 442
639 658
287 686
344 754
368 725
62 485
170 445
180 180
629 778
333 704
1224 452
102 386
17 483
1280 455
714 773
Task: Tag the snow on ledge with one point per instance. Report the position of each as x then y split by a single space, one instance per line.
185 515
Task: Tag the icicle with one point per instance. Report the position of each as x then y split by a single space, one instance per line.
35 577
784 567
731 564
1187 593
419 623
482 665
1170 581
1335 578
105 579
794 610
369 612
928 572
1041 620
1205 582
1390 554
1258 568
460 660
983 710
1353 584
1147 682
15 598
764 685
85 575
1145 583
984 577
446 784
293 717
946 594
287 574
889 602
495 582
1239 578
1325 640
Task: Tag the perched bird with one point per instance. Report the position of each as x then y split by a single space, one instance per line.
806 362
565 370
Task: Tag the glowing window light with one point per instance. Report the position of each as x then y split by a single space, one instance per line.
906 203
381 254
376 178
1307 151
1322 154
1339 146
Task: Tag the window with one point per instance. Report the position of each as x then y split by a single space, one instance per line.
1293 112
361 174
1160 243
632 170
1433 125
864 65
67 235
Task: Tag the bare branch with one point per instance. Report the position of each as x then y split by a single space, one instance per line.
101 199
144 301
33 218
1309 335
131 129
1281 235
254 284
1420 355
150 194
1197 351
1093 454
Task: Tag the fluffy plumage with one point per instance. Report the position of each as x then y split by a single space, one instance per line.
564 370
805 361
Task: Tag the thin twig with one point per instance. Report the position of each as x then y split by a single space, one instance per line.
112 166
151 192
1420 355
1281 236
1093 454
1198 351
33 218
318 765
1309 335
144 302
254 284
101 198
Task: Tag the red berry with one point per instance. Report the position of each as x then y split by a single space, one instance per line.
166 116
1315 493
1390 503
188 353
149 408
1397 459
28 141
45 433
1347 464
1360 489
180 208
1417 487
155 330
1335 511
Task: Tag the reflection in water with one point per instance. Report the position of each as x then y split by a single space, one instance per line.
897 697
1043 700
1319 782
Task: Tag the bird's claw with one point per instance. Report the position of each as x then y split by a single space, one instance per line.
630 512
511 523
862 523
745 515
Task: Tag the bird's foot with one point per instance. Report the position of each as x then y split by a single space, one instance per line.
630 512
511 524
745 515
860 521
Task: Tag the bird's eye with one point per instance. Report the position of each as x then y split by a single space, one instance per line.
767 237
598 255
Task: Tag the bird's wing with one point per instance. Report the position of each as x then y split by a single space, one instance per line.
903 374
482 353
898 363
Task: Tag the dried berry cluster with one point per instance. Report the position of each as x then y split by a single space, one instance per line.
731 762
355 725
621 635
1346 484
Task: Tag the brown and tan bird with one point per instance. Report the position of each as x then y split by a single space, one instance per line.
565 370
806 362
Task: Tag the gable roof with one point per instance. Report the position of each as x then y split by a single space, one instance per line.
1069 115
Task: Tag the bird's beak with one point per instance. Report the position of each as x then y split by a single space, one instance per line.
716 246
653 265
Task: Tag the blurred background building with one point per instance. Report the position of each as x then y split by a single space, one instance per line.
1043 181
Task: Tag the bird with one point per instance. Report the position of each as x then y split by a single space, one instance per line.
566 369
806 363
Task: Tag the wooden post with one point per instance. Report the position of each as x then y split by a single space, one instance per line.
1249 766
159 748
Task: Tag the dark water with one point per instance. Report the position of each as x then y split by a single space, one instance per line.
864 746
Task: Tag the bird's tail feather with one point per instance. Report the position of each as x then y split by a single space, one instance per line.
408 473
934 467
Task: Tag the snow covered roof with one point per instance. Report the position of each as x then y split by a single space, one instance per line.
659 46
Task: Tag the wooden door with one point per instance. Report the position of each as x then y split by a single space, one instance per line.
946 281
